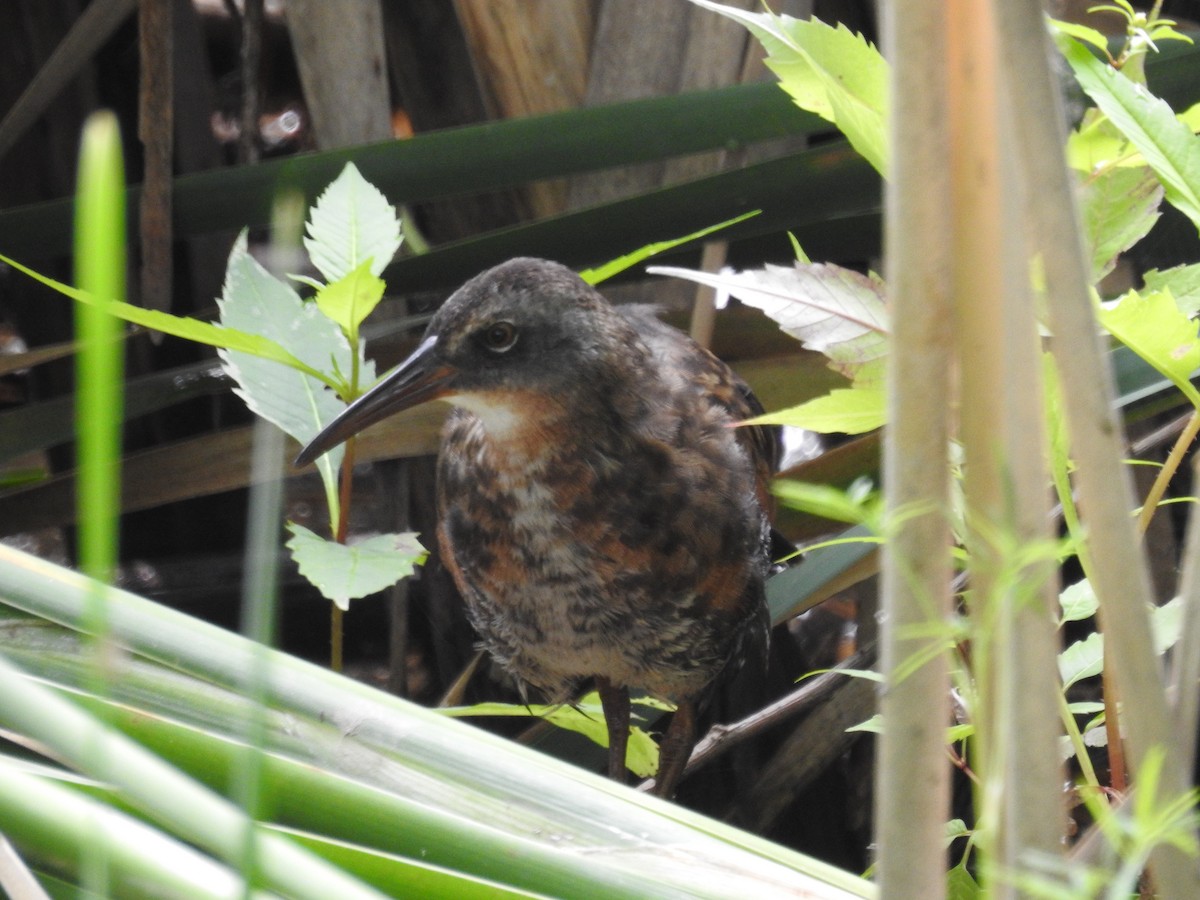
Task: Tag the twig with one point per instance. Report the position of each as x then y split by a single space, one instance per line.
723 738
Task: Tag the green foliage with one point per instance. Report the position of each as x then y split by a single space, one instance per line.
585 717
831 310
1119 205
1153 327
830 71
1085 658
352 234
350 299
1183 283
1131 832
860 504
176 326
621 263
350 225
345 572
1167 144
1131 153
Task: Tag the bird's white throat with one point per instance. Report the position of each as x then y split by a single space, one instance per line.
501 420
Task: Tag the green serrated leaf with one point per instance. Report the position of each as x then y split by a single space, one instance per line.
830 71
1166 143
350 299
853 410
1152 326
833 310
254 299
1077 602
345 572
1119 207
1183 282
350 224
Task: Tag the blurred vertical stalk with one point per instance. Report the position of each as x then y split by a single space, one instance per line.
260 583
912 779
1012 566
99 377
1119 574
99 370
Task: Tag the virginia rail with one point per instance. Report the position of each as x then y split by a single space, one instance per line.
596 508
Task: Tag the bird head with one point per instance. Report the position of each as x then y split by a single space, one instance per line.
525 329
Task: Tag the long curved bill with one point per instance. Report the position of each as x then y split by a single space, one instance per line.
416 380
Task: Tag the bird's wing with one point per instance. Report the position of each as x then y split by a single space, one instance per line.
723 387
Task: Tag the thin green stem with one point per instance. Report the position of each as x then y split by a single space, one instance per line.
1167 472
1072 728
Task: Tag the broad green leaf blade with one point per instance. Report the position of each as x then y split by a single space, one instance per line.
1152 326
853 410
178 326
1119 207
50 822
401 876
351 298
351 223
345 572
1168 145
830 71
487 805
835 311
193 812
1182 281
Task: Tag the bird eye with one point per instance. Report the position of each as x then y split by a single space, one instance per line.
499 337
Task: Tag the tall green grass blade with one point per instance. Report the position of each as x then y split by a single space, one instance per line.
99 372
99 378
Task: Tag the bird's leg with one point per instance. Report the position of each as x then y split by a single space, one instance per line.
675 749
615 703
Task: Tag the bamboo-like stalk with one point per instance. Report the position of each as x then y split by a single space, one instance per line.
912 778
1012 585
1119 573
1185 664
